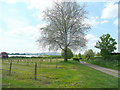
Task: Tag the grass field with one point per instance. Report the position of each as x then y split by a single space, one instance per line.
113 64
69 74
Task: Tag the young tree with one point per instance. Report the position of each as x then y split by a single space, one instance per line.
79 55
97 54
106 45
65 27
89 54
69 53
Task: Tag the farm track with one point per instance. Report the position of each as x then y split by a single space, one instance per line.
103 69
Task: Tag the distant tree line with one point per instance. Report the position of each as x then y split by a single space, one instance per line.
17 53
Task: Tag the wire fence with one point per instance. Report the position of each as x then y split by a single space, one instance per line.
28 68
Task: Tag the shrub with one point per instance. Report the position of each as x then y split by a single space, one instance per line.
55 56
69 53
89 54
105 54
115 57
98 54
118 57
83 57
76 58
79 55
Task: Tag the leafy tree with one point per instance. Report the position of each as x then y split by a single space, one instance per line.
69 52
98 54
65 27
89 54
79 55
106 45
105 53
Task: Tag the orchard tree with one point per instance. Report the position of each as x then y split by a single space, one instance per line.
69 53
89 54
98 54
79 55
106 45
66 27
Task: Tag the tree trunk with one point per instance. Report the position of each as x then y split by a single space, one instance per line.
65 50
65 57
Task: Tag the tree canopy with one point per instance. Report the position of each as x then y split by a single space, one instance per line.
89 54
106 44
69 53
79 55
98 54
65 27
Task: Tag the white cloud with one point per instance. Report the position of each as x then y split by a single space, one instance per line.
1 30
92 21
110 10
14 22
12 18
40 6
31 32
37 4
91 42
14 1
104 21
33 4
91 37
17 45
22 35
21 39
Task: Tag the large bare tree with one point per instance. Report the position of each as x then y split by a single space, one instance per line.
65 27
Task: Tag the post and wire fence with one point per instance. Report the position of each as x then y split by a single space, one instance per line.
35 65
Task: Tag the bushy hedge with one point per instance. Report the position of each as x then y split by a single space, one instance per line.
86 58
114 57
76 58
56 56
69 53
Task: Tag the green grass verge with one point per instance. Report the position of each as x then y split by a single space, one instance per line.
113 64
69 74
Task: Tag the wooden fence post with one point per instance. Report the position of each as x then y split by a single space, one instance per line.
56 62
35 74
50 59
2 60
10 68
18 61
27 62
41 63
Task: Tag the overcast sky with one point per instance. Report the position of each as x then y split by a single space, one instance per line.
20 21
